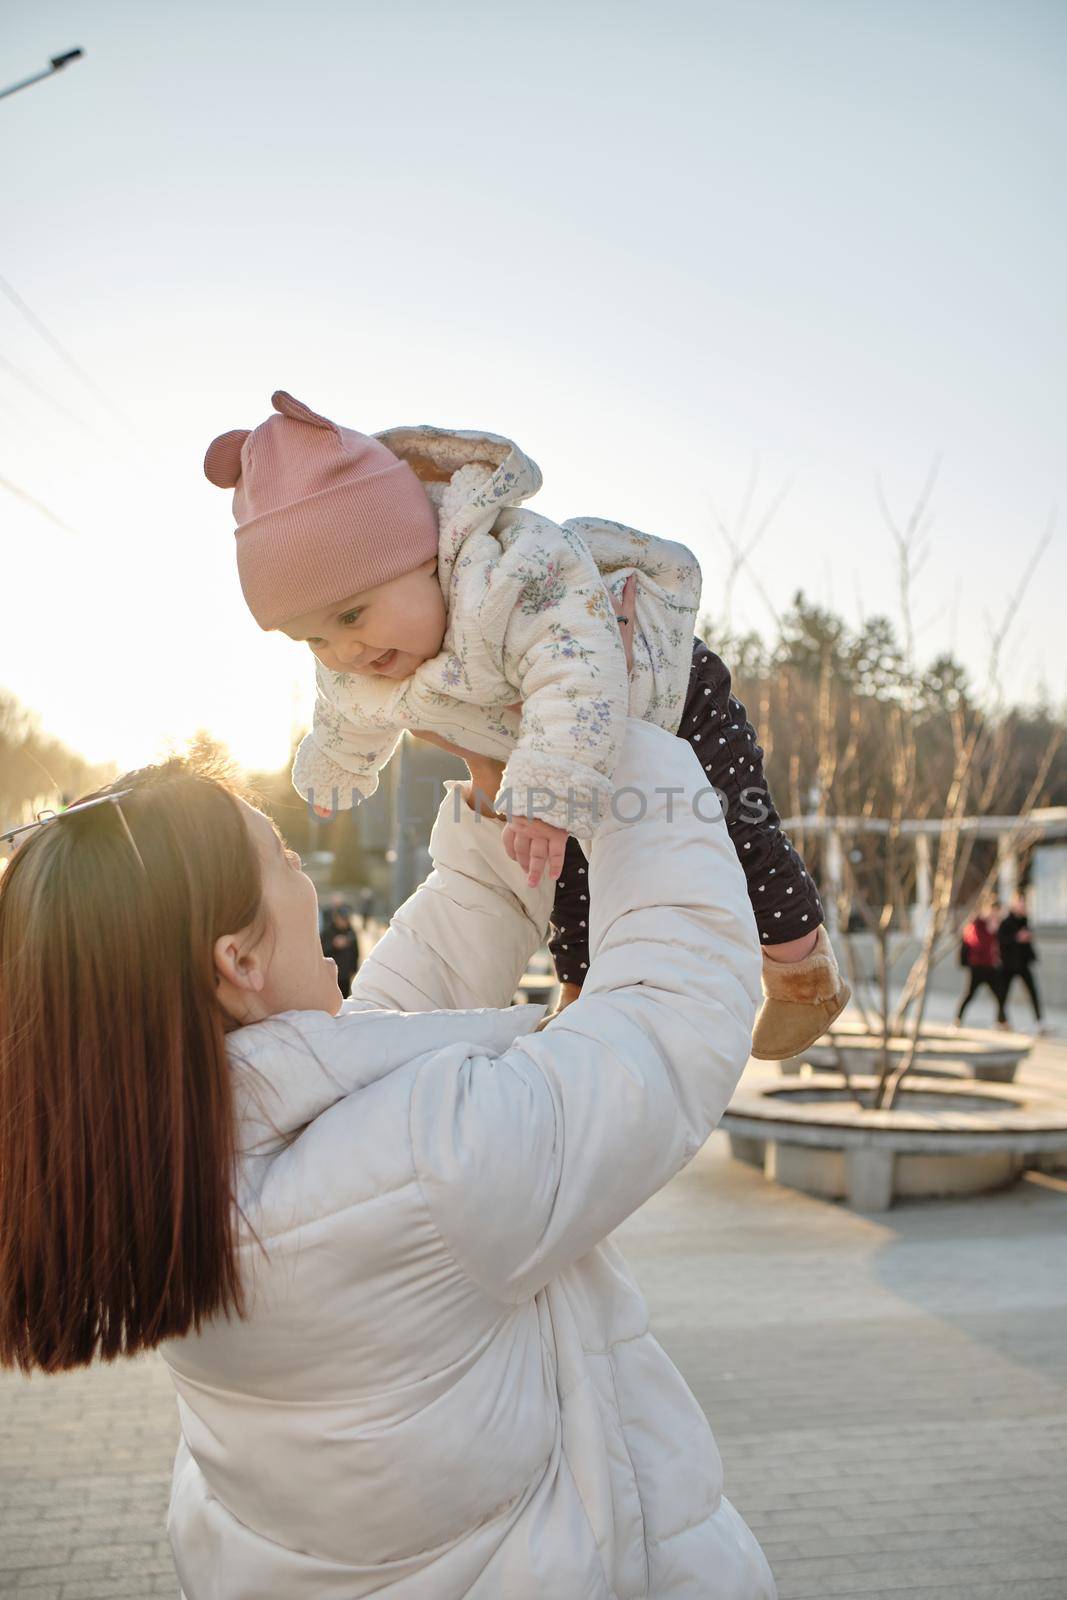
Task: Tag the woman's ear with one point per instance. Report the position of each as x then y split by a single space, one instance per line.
237 964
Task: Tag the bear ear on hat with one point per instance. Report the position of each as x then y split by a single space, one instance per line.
298 411
222 464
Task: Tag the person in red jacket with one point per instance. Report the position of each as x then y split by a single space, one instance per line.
980 954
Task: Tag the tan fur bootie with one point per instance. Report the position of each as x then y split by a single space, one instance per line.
801 999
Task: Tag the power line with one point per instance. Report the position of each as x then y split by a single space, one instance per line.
45 333
44 394
20 494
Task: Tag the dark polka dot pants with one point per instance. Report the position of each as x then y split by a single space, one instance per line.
784 898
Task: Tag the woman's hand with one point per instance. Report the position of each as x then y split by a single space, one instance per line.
624 610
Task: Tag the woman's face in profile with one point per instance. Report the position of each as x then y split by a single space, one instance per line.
284 969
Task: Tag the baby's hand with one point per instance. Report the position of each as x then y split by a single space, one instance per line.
534 845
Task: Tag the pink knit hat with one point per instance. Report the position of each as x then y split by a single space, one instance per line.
322 512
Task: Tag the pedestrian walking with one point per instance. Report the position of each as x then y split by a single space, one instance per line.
980 954
341 944
1018 955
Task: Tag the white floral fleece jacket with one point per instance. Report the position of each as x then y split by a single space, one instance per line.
529 620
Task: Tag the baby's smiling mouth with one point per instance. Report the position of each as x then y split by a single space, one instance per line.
383 662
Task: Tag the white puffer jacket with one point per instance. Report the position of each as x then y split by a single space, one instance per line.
446 1386
529 623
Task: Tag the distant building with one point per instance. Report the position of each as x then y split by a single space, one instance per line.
394 826
1048 885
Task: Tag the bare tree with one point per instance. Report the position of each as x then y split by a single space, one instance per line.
741 544
859 732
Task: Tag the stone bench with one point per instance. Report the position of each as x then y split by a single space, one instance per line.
537 988
944 1137
974 1053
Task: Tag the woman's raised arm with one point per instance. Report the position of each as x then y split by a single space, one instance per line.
530 1158
463 939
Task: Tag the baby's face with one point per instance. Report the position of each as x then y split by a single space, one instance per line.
381 633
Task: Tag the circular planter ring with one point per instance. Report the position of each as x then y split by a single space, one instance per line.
990 1057
944 1136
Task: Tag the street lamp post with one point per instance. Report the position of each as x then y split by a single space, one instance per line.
56 64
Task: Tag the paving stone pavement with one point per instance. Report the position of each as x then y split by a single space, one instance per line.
889 1395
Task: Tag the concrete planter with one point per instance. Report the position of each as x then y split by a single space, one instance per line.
979 1053
943 1137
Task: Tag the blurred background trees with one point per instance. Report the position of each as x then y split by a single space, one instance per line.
850 726
37 771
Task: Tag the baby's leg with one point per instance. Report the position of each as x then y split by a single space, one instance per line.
783 896
569 944
715 723
803 990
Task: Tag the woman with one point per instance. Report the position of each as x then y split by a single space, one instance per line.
1018 955
341 943
980 954
370 1239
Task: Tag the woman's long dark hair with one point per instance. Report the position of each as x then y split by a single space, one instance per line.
117 1137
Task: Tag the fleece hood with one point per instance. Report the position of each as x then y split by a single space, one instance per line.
471 477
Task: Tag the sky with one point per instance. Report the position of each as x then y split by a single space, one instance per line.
668 248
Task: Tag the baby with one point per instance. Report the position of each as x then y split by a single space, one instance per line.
433 602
